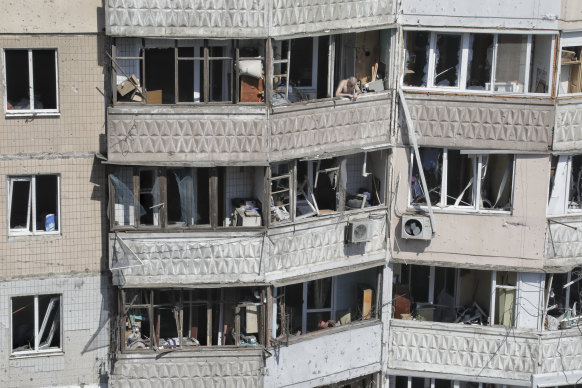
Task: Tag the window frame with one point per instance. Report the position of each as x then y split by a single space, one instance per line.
31 111
31 214
201 60
37 327
477 164
562 203
464 63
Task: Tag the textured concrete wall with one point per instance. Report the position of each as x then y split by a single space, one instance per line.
85 334
568 128
513 240
81 125
48 16
570 15
488 13
326 358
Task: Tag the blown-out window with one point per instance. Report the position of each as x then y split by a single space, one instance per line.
36 323
566 185
461 180
31 81
478 62
33 203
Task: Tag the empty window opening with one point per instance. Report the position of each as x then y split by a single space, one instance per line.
575 190
303 72
564 299
432 166
420 382
36 323
441 294
447 58
34 204
325 303
565 185
365 179
326 177
148 197
455 180
184 319
417 49
244 188
305 202
31 80
480 61
571 70
159 73
511 63
280 184
541 64
368 381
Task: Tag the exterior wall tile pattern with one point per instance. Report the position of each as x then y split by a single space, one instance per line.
323 129
462 352
195 371
568 129
563 245
469 124
229 18
291 16
183 138
561 351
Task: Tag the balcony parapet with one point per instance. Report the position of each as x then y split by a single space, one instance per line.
568 127
563 243
481 122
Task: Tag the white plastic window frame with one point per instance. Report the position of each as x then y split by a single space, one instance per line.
31 216
493 298
37 326
31 111
564 164
314 64
455 383
464 64
477 163
563 44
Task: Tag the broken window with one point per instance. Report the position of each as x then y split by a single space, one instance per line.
365 177
36 323
432 166
324 303
33 203
462 180
494 63
185 319
421 382
417 50
163 71
480 61
281 191
564 297
447 60
570 70
183 196
566 187
31 81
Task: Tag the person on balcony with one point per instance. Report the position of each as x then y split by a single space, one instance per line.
348 88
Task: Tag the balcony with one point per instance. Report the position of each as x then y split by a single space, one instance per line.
350 351
488 352
481 122
145 134
210 367
176 259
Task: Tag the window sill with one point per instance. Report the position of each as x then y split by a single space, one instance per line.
18 115
33 354
38 236
467 211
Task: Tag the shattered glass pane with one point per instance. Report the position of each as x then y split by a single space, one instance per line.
480 61
417 48
447 60
432 165
496 181
575 192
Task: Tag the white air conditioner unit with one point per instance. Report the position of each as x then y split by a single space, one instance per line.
416 227
359 231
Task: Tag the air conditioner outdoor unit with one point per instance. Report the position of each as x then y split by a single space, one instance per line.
359 231
416 227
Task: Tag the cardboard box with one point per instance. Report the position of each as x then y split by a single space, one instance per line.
128 85
154 97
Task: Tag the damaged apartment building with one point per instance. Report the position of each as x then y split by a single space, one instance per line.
264 232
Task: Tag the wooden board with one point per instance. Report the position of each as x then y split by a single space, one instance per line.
251 89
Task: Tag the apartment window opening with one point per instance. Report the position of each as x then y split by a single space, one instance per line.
31 80
447 60
34 204
36 323
565 185
564 299
417 50
480 61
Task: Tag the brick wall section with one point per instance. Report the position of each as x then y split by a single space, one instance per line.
81 82
81 246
